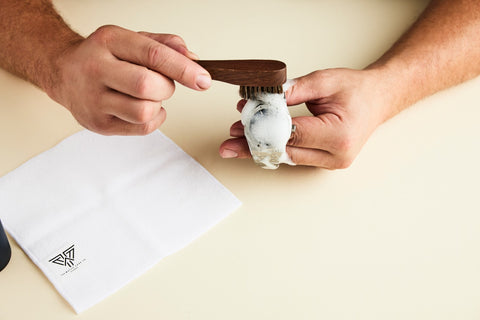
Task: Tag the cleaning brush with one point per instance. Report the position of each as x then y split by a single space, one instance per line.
253 76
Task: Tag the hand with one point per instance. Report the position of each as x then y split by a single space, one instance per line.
346 105
114 81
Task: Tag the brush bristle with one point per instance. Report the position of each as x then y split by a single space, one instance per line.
252 92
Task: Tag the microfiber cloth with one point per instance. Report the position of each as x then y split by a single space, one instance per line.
95 212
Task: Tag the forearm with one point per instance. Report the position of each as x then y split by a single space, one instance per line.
32 37
440 50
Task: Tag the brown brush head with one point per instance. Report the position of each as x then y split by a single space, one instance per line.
247 92
253 76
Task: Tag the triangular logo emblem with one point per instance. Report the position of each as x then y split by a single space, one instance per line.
66 258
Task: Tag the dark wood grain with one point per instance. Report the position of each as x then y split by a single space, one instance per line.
254 73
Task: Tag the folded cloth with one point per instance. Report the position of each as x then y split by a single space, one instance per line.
95 212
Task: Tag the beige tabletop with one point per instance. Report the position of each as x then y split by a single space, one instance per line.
395 236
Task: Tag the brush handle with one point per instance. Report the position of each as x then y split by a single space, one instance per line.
254 73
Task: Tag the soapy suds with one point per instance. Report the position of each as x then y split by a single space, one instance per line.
268 126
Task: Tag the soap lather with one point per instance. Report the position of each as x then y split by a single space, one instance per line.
267 122
268 127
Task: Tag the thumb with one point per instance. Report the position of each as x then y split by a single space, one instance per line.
304 89
301 90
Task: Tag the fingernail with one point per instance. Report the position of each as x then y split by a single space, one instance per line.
236 132
204 81
192 55
227 153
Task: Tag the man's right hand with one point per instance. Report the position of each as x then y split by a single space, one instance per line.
114 81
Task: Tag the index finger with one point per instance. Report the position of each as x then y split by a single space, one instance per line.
137 48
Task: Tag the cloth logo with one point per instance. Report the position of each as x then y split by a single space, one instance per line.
66 258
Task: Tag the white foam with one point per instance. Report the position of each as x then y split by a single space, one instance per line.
268 126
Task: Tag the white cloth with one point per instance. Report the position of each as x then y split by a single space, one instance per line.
95 212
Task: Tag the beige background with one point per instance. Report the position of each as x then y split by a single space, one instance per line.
395 236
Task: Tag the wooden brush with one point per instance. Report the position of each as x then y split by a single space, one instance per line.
253 76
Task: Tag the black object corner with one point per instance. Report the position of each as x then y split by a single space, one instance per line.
5 250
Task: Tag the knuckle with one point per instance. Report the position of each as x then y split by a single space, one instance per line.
103 33
100 125
167 90
174 39
344 143
145 113
142 84
184 73
155 55
343 163
322 75
344 149
147 128
170 90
